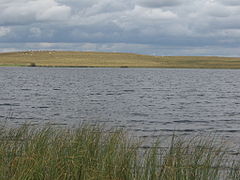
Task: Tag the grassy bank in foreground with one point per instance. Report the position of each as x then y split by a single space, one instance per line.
100 59
94 153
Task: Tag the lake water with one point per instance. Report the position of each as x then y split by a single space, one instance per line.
145 101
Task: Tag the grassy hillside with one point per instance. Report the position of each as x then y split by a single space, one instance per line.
100 59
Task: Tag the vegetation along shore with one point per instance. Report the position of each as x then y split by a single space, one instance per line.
92 152
124 60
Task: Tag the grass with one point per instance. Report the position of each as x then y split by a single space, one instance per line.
100 59
96 153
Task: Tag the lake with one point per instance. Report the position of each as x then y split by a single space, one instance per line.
147 102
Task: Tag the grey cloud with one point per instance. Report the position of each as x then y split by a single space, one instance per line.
158 3
78 4
218 10
226 23
27 12
230 2
94 7
4 31
108 6
119 25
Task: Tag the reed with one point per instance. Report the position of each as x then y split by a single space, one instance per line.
93 152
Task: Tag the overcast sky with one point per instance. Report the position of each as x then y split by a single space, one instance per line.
155 27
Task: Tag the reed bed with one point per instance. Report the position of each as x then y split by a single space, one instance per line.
92 152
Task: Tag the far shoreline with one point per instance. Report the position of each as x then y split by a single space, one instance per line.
73 59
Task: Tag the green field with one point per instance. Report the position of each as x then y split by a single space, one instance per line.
95 153
101 59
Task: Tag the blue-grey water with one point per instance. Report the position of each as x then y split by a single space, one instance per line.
145 101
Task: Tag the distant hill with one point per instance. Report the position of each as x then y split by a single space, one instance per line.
102 59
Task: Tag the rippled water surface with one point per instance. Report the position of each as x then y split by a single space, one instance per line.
146 101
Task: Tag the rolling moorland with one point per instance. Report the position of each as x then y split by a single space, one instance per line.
102 59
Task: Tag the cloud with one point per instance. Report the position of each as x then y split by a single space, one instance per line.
4 31
157 14
55 13
230 2
78 4
159 3
23 12
149 25
35 32
217 10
